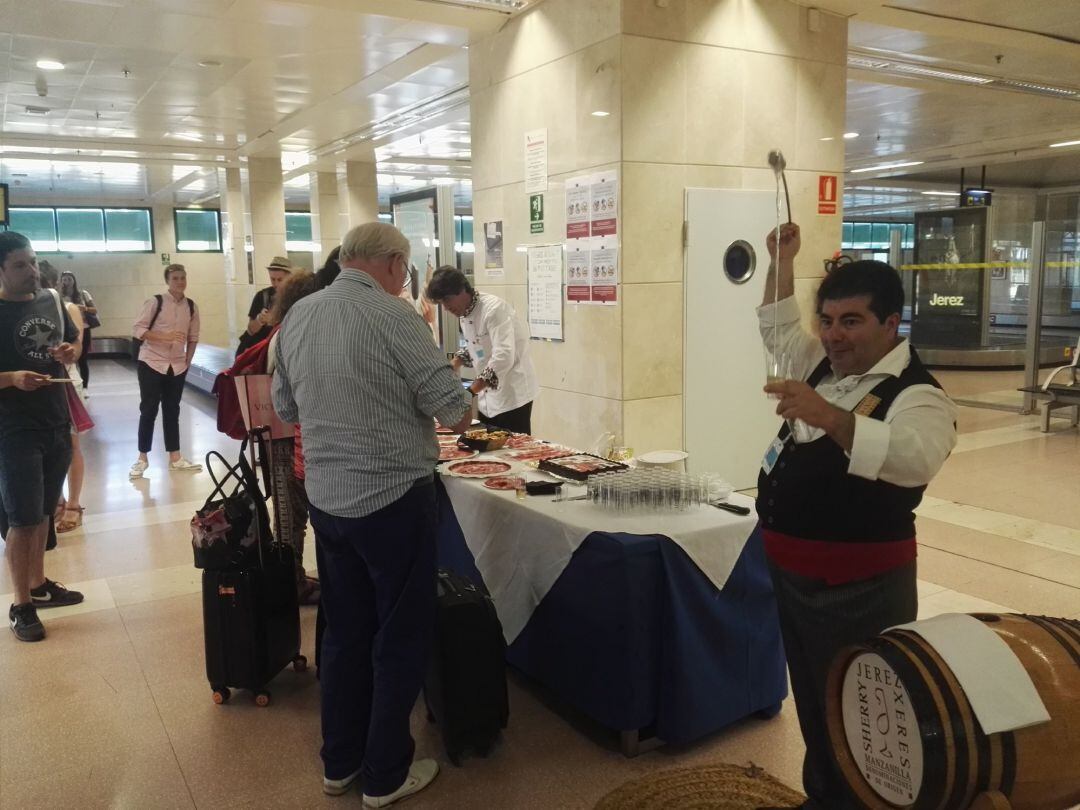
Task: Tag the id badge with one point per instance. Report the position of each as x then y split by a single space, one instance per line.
479 353
772 455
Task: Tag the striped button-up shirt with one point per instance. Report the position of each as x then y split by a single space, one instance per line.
358 370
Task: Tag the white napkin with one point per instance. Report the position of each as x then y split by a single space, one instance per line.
996 684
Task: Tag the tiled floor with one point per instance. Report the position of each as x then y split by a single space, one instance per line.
113 710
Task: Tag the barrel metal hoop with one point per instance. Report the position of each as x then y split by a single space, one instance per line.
962 791
1060 634
1008 762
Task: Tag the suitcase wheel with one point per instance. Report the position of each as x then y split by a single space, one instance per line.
299 663
221 695
262 698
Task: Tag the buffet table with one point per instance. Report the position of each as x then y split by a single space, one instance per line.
643 634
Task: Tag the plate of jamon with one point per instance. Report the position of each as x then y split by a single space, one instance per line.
451 452
478 468
540 452
505 482
521 440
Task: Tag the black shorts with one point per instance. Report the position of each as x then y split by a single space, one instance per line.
33 466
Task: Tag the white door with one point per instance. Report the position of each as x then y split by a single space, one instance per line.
728 420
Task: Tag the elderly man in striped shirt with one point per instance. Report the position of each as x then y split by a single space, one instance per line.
357 368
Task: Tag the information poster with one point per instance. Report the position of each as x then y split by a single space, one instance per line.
493 249
577 207
604 273
536 161
578 283
545 291
605 196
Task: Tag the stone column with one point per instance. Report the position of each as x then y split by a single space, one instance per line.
266 204
359 198
237 289
325 214
695 94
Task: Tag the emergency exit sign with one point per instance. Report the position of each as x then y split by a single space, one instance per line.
536 213
826 193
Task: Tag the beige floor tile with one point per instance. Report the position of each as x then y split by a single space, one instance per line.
1026 594
141 777
96 596
949 601
167 637
976 545
68 731
1060 568
161 583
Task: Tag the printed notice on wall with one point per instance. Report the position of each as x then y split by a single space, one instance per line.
493 249
578 284
545 291
604 273
577 207
536 161
605 196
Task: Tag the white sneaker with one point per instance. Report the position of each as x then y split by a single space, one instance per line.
339 787
183 465
137 469
421 774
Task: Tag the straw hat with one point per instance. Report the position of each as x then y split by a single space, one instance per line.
280 263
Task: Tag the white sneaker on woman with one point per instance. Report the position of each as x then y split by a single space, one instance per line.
183 465
137 469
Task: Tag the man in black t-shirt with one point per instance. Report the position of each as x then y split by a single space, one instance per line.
36 337
259 325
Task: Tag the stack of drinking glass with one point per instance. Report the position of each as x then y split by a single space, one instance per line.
654 490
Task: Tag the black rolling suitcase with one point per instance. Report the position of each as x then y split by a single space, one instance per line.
466 682
251 616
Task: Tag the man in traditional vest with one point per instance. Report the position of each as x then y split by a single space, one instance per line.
866 428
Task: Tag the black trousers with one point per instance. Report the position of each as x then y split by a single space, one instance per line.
518 420
84 359
817 621
162 390
378 600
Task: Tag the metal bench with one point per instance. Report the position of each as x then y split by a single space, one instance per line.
1061 390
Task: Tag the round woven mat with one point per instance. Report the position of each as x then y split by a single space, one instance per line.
717 787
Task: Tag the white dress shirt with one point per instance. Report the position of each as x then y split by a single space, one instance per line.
496 339
919 429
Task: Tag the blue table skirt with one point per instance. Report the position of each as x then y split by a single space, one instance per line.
635 636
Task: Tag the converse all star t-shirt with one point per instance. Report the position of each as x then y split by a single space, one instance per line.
27 330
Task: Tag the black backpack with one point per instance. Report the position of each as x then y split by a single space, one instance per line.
136 343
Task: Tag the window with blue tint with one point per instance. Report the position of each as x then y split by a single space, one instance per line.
298 232
80 230
879 235
198 230
909 236
845 239
36 224
128 230
85 229
862 232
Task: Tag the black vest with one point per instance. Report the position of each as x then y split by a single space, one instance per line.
810 494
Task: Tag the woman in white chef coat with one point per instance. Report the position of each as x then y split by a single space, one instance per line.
496 348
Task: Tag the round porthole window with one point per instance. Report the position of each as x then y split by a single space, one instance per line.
739 262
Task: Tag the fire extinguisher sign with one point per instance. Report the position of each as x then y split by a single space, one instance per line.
826 193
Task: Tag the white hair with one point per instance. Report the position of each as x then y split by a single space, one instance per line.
373 240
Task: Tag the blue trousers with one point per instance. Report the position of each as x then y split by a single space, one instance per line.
377 575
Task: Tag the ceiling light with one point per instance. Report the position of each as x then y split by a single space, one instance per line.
50 64
186 136
445 181
209 63
830 138
601 113
884 166
32 110
850 135
1064 143
942 193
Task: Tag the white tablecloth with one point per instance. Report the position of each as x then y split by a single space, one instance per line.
522 546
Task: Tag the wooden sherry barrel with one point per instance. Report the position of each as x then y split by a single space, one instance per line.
904 736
